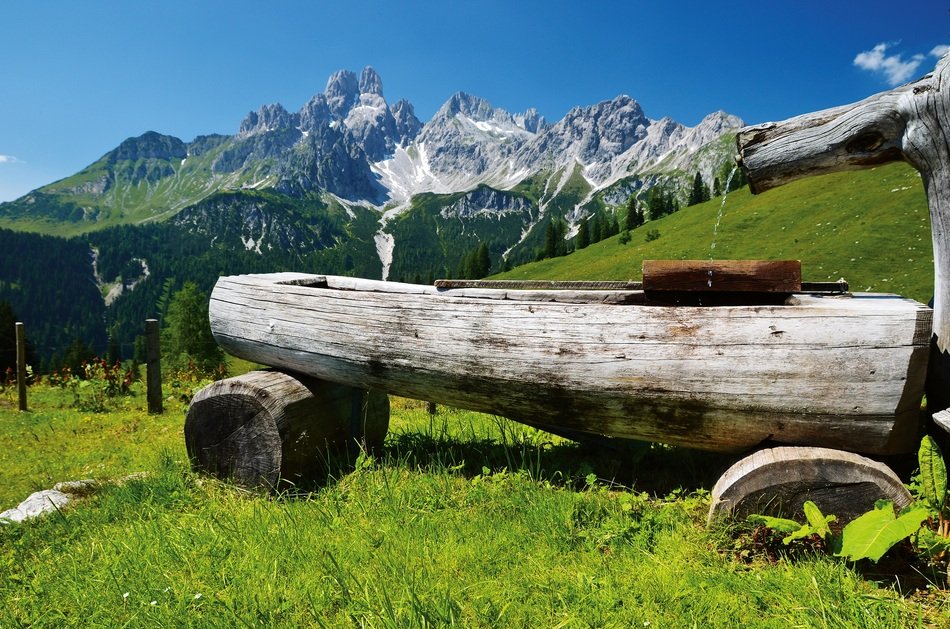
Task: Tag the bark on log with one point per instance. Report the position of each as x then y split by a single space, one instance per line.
778 481
267 426
910 123
844 373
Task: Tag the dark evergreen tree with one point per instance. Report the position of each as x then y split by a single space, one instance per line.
554 244
187 335
481 262
77 355
583 235
699 193
7 338
614 225
114 351
658 203
550 240
596 231
634 217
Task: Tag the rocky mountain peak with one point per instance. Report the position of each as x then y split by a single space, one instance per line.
370 82
407 124
267 118
342 92
467 105
149 145
594 134
719 122
531 121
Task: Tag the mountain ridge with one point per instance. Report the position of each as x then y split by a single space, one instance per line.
387 154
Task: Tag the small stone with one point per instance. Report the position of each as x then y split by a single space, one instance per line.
35 505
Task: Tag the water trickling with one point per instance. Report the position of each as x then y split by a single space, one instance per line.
722 206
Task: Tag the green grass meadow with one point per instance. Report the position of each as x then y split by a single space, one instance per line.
871 227
465 519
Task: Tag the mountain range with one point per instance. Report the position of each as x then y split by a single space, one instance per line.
352 184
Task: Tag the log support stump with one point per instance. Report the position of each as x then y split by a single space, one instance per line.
778 481
268 427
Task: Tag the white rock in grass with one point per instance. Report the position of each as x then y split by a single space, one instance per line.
37 504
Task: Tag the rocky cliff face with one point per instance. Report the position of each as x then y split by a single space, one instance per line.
469 143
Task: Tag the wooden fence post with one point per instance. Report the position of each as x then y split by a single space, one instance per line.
21 364
153 368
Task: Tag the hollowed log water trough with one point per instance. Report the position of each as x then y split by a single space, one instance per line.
725 356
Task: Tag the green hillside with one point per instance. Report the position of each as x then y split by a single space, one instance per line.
871 227
123 188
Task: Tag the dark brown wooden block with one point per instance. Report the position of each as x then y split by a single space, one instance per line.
731 276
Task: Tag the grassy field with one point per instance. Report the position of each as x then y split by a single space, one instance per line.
465 519
871 227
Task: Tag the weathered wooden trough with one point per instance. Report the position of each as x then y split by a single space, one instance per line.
721 356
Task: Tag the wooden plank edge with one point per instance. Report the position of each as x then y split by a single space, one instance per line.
831 288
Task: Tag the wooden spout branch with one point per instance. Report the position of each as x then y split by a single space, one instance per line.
910 123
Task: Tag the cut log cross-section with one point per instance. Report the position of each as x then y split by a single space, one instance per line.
269 426
778 481
910 123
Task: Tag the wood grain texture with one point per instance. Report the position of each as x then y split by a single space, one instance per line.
777 482
267 426
844 372
909 123
759 276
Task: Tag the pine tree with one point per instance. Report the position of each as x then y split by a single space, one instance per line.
187 333
481 262
634 217
699 192
78 353
7 338
614 225
657 203
596 232
583 235
550 240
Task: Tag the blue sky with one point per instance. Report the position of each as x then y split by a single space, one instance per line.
77 78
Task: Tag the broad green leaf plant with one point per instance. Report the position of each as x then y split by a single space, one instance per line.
869 536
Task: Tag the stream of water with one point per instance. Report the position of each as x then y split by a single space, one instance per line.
722 206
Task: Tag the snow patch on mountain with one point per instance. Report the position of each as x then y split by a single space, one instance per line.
385 245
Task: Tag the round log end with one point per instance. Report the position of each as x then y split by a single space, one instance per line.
265 427
778 481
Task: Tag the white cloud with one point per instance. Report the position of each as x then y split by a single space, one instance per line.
8 159
893 67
